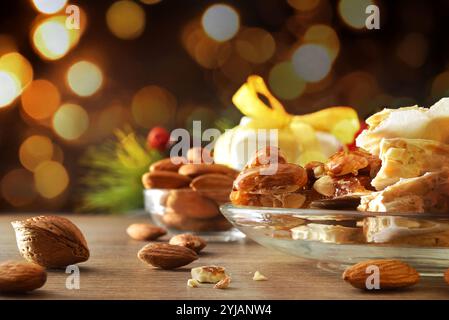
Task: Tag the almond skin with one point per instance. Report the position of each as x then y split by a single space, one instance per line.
51 241
145 231
191 204
446 276
168 164
195 170
190 241
21 277
166 256
164 180
214 186
393 274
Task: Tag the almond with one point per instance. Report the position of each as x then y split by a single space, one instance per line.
20 277
170 164
191 204
325 186
173 219
166 256
208 274
145 231
190 241
393 274
267 155
50 241
194 170
164 180
212 181
223 284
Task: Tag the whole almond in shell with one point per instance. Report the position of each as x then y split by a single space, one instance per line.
191 204
194 170
145 231
169 164
164 180
50 241
21 276
190 241
393 274
166 256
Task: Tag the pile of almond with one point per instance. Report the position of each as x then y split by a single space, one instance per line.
196 187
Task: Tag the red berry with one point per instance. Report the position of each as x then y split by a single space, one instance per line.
352 146
158 138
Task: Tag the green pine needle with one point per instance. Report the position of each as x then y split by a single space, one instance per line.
113 180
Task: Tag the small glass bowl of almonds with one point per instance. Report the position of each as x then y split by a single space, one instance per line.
184 195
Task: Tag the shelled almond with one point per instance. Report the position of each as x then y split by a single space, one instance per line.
195 188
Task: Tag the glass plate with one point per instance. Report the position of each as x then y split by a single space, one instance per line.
336 239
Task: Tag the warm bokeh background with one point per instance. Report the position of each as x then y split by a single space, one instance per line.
145 63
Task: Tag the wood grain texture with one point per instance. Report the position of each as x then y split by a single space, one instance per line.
114 271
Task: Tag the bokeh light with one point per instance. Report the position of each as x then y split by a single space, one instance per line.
324 35
17 187
255 45
9 88
413 49
150 1
304 5
34 150
7 44
221 22
16 64
49 6
440 85
70 121
153 105
84 78
353 12
51 39
312 62
51 179
41 99
126 19
284 82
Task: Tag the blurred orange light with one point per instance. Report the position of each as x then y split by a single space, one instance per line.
153 105
35 150
284 82
51 39
70 121
17 187
7 44
9 88
41 99
312 62
51 179
324 35
49 6
255 45
126 19
440 85
150 1
353 12
221 22
84 78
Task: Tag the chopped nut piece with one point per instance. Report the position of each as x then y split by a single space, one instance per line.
208 274
223 284
259 277
192 283
325 186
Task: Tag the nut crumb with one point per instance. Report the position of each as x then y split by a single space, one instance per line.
259 277
223 284
192 283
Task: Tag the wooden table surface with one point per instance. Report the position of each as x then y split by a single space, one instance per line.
114 272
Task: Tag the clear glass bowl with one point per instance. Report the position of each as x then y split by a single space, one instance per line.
215 229
336 238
